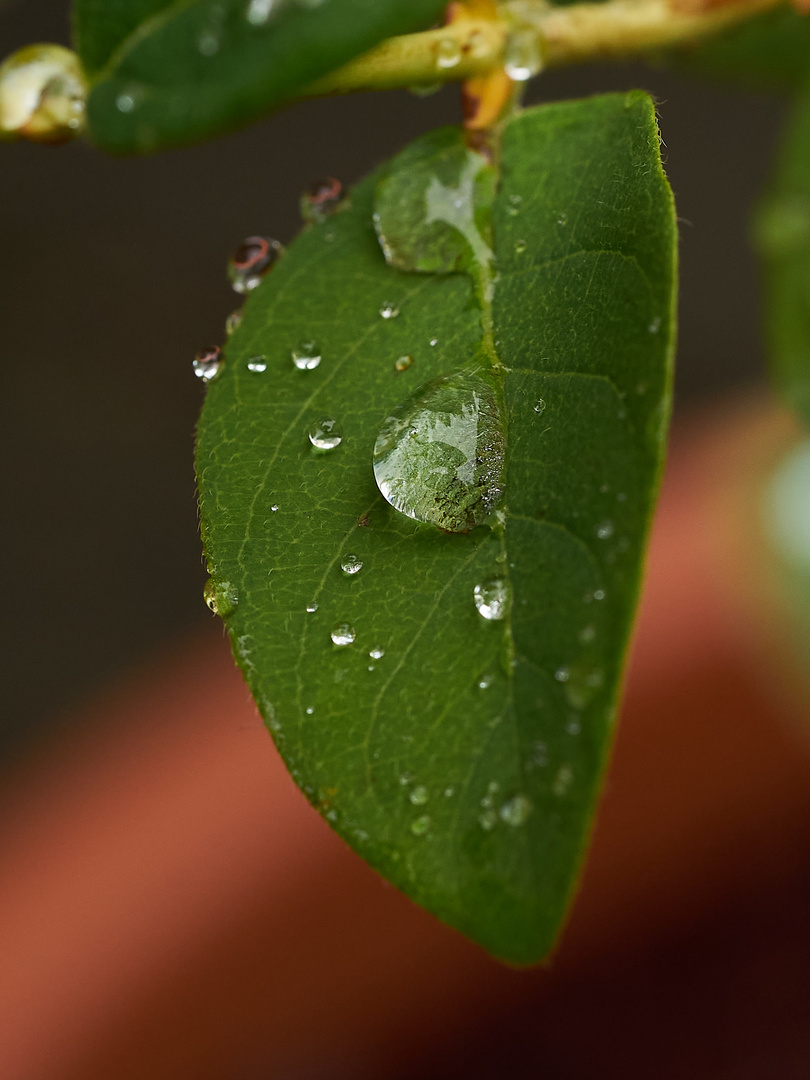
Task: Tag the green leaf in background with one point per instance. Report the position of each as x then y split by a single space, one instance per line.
783 239
446 698
170 73
770 52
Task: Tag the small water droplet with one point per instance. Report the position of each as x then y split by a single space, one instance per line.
449 792
587 634
448 53
599 594
573 726
539 406
273 508
312 607
492 599
377 653
604 530
207 363
522 57
221 597
351 565
306 355
516 810
208 43
562 780
321 200
488 820
655 325
421 825
309 710
260 12
439 457
486 681
343 634
402 363
125 103
389 310
513 206
434 341
539 754
233 322
251 261
405 778
326 433
257 364
562 674
520 246
419 796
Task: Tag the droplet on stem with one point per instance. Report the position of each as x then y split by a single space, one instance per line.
522 56
42 94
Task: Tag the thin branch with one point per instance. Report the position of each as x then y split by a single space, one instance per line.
565 35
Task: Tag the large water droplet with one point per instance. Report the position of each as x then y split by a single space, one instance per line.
522 57
492 599
351 565
439 457
448 53
321 200
516 810
251 261
306 355
343 634
207 363
326 434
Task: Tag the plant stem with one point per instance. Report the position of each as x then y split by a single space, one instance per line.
565 35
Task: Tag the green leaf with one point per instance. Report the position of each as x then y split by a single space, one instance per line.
783 238
167 73
771 52
459 752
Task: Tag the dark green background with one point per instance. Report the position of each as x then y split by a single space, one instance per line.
113 276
